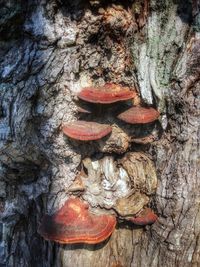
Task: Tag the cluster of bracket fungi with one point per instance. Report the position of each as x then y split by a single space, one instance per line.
122 187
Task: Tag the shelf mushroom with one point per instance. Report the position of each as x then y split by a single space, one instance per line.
147 216
107 94
73 223
86 131
139 115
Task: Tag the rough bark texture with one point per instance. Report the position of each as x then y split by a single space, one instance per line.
49 51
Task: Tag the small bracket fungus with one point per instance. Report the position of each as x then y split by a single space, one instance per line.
86 131
83 110
73 223
147 216
139 115
107 94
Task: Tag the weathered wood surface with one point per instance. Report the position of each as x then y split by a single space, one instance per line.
49 50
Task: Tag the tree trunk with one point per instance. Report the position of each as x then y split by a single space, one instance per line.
49 51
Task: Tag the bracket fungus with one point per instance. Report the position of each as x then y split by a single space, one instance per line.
139 115
73 223
86 131
146 216
107 94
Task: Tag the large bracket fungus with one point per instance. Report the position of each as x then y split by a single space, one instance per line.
139 115
107 94
86 131
73 223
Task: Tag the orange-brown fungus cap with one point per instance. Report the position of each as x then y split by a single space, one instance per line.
139 115
147 216
107 94
85 131
74 224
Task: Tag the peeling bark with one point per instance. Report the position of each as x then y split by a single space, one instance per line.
49 51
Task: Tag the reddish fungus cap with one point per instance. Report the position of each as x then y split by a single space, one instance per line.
147 216
139 115
85 131
83 110
74 224
107 94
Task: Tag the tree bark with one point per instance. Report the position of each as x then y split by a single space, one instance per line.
49 51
